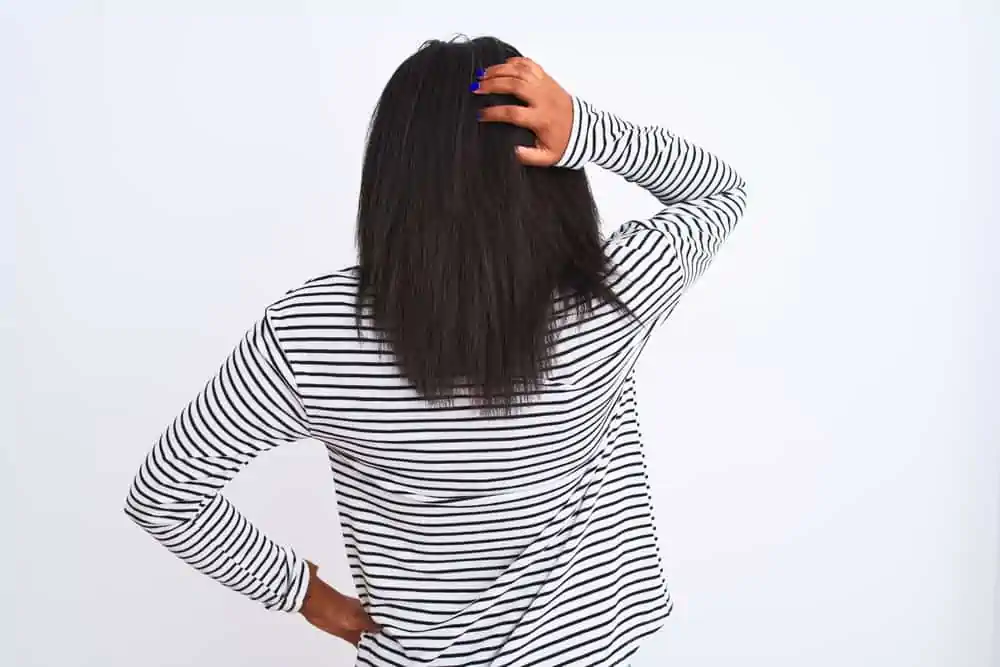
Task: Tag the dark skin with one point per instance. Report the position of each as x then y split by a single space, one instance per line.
333 612
549 115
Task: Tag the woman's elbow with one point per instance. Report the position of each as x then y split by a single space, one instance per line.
142 505
132 506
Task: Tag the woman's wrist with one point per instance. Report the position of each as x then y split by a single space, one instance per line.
319 594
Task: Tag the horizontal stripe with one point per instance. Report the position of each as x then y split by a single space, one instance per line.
521 541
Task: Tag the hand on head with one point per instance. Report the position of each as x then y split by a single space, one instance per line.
549 113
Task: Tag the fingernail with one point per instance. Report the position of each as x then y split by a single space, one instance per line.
474 86
480 72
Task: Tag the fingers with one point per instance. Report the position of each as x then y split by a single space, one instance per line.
533 157
517 67
528 66
363 621
503 69
354 636
517 76
509 113
526 90
370 625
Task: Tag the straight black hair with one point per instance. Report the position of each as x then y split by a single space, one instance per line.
462 247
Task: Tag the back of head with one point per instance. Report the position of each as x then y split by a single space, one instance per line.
462 248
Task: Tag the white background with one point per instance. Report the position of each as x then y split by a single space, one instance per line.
817 413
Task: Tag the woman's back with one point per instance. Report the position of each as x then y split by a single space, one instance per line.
476 539
472 540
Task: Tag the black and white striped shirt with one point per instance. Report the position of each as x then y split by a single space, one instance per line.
472 540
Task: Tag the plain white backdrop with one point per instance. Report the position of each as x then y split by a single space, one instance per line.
820 413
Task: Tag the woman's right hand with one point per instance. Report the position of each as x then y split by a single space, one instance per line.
549 113
333 612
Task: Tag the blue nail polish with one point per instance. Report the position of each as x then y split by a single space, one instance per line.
474 86
480 72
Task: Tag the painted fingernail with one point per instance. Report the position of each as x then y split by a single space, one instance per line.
474 86
480 72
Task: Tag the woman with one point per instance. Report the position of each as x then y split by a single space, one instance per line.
472 378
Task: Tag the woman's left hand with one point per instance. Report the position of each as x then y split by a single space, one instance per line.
335 613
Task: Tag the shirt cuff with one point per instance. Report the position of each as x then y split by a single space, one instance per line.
575 155
297 587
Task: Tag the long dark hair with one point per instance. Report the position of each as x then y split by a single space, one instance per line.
462 248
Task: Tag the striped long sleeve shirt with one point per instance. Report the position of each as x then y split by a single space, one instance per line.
520 541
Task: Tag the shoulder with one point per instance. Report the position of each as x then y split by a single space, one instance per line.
625 231
326 290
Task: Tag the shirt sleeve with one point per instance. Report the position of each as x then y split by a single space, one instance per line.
250 406
658 258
